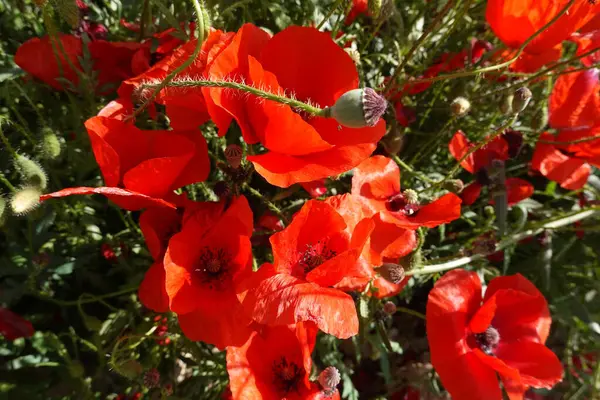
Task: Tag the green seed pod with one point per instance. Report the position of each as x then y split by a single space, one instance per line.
25 200
454 185
358 108
68 11
522 98
31 171
391 272
460 106
540 119
506 105
50 145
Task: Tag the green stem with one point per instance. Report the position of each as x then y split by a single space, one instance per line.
7 183
581 140
31 103
384 337
312 110
266 202
417 45
92 299
330 13
9 147
410 312
496 67
183 66
410 169
433 267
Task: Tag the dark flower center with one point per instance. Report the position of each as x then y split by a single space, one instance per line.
212 267
399 203
286 376
482 177
315 255
488 340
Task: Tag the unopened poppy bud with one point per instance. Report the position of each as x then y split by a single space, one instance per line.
130 369
68 11
454 185
354 55
389 308
375 7
506 105
50 144
358 108
25 200
31 171
522 97
391 272
152 378
540 119
363 307
411 196
329 378
393 142
233 154
489 211
460 106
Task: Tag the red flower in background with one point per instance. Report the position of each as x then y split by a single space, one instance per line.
586 43
275 363
471 339
13 326
514 21
377 182
141 168
528 63
312 254
204 264
574 108
359 7
481 160
308 64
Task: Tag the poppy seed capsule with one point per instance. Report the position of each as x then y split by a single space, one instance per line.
389 308
358 108
391 272
25 200
522 97
506 104
460 106
233 154
329 378
454 185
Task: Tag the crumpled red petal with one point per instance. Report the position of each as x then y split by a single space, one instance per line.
124 198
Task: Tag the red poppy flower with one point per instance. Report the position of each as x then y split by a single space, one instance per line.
13 326
186 108
472 339
591 26
478 162
315 188
575 100
203 265
308 64
514 21
310 256
130 157
559 165
377 181
387 243
275 363
359 7
528 63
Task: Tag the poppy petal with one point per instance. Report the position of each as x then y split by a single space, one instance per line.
377 177
518 189
441 211
575 100
157 224
459 146
538 366
13 326
152 292
284 170
471 193
125 199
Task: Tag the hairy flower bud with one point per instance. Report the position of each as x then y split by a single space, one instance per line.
31 171
50 145
460 106
329 378
454 185
522 97
151 378
358 108
391 272
506 104
25 200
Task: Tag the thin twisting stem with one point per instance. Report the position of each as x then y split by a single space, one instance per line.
575 141
266 202
330 13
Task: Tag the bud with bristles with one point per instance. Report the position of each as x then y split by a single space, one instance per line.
233 154
329 379
31 171
152 378
25 200
50 144
68 11
391 272
454 185
460 106
522 97
358 108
